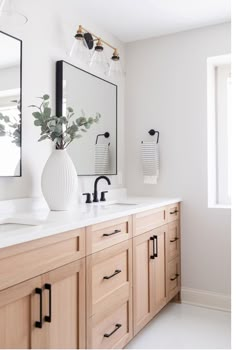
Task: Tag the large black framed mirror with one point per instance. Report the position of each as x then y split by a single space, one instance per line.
95 153
10 105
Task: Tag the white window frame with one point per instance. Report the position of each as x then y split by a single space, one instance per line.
212 63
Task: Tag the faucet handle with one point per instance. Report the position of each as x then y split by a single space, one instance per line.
103 198
88 198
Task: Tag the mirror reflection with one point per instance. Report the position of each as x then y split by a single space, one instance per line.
10 105
95 153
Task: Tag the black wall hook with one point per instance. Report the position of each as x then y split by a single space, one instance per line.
106 135
152 132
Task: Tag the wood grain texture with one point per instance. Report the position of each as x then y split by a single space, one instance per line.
149 220
95 241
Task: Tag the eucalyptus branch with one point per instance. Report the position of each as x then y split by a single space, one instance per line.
60 130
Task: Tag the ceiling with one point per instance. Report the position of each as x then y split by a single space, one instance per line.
131 20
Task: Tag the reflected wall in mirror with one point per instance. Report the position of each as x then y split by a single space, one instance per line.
10 105
95 153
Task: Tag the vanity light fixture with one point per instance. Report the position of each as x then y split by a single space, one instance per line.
9 16
85 41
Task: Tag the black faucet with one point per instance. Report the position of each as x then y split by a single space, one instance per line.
95 194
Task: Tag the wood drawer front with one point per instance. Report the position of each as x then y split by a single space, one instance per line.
173 240
113 331
173 212
31 259
149 220
173 278
115 264
106 234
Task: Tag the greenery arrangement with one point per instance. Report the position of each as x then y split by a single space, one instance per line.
11 126
60 129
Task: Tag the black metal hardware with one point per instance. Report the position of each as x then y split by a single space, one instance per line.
118 325
103 198
106 135
174 212
156 238
39 324
174 278
152 132
174 240
95 194
153 247
114 274
48 318
112 233
89 40
88 198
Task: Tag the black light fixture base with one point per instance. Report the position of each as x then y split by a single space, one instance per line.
89 40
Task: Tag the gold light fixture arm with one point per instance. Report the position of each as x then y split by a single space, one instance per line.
84 30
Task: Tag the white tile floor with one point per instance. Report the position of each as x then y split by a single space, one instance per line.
182 326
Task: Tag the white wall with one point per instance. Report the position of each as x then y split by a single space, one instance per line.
166 90
47 37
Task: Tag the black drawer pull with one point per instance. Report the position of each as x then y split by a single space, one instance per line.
110 234
153 247
174 278
114 274
39 324
156 253
174 212
116 329
174 240
48 318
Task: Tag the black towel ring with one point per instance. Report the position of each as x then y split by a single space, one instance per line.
106 135
152 132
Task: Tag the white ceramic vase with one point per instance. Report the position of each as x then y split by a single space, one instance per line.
59 181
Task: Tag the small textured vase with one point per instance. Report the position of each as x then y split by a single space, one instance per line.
59 181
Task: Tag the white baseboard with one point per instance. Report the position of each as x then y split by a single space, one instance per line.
205 298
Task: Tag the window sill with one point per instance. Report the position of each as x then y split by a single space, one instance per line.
219 206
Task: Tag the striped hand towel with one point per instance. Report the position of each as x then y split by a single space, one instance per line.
150 161
101 158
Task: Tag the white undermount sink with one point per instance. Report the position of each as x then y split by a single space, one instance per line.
116 203
12 224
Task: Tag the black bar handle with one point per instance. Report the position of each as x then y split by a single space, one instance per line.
174 212
153 247
48 318
156 253
39 324
174 240
174 278
114 274
118 325
110 234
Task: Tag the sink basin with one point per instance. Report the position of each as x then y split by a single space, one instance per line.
117 203
12 224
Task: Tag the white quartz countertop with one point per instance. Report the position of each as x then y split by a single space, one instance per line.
51 222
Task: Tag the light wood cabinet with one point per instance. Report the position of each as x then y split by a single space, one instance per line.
93 287
45 312
149 276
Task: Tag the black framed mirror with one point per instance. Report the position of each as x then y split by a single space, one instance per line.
10 105
95 153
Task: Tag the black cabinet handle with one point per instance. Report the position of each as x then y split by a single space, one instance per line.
174 278
39 324
153 247
114 274
48 318
156 253
118 325
174 240
110 234
174 212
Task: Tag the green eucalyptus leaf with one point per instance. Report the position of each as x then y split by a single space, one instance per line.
37 123
46 97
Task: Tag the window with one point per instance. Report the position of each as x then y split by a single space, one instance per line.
219 130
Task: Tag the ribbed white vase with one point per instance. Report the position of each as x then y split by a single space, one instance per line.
59 181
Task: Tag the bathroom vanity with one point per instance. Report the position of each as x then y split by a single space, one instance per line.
91 278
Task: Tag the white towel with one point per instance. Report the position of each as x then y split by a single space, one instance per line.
102 158
151 162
